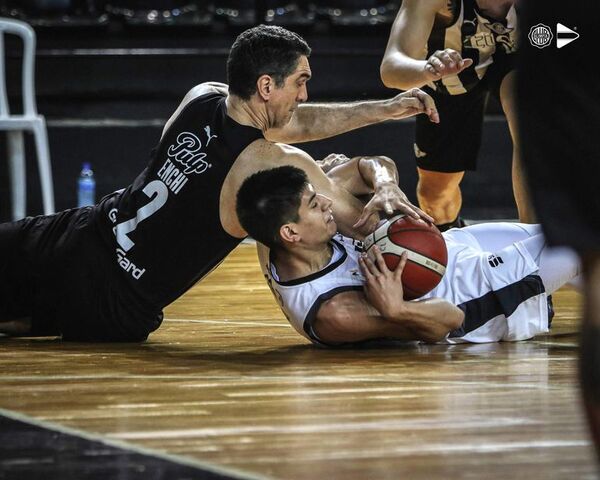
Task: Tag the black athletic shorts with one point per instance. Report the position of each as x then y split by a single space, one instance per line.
453 144
54 270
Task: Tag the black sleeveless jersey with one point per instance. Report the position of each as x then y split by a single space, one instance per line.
165 229
474 36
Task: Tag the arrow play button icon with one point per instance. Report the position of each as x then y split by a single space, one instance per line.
564 35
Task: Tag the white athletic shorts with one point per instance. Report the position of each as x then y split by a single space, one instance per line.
501 293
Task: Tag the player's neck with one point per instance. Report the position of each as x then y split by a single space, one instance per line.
247 112
301 261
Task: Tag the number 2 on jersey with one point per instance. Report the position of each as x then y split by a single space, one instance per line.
158 193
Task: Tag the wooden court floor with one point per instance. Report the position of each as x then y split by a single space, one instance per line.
226 382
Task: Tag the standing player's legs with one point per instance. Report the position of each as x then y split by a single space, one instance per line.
440 196
445 151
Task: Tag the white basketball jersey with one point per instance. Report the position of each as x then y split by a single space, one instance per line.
300 299
501 295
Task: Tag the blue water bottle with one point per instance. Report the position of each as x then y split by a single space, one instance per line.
86 186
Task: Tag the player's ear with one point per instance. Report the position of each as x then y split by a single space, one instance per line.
289 233
264 86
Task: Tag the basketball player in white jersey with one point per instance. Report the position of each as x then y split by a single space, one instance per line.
462 50
495 287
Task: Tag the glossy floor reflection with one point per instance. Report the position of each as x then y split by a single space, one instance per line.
227 382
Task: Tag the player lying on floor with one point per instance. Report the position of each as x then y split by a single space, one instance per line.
333 294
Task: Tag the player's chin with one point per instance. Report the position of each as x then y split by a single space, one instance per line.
332 227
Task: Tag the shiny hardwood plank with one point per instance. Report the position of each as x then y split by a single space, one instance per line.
227 381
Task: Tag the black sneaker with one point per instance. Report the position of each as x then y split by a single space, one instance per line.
550 311
457 223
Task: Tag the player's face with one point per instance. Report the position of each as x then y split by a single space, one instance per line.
285 100
316 224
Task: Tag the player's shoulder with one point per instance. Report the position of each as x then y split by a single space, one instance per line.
206 88
263 151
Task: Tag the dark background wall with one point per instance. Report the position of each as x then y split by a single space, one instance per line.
107 90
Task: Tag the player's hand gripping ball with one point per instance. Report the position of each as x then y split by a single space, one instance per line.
426 248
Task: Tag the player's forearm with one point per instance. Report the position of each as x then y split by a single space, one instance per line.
402 72
430 320
316 121
378 171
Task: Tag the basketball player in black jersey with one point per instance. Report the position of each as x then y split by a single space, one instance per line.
463 50
104 273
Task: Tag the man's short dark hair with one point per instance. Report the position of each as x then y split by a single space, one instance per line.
269 199
263 50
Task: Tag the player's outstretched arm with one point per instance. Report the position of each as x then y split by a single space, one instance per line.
315 121
376 175
343 182
403 65
380 312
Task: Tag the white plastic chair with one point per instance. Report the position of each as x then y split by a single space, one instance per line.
29 120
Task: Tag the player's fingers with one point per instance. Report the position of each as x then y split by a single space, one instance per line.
364 268
401 265
429 104
437 64
407 208
413 102
447 60
466 63
423 214
380 261
454 56
431 69
370 267
387 207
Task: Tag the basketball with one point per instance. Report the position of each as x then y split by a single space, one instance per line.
426 248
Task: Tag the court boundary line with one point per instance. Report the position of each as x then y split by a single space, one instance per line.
123 445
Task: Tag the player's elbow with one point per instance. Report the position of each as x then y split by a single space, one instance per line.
437 331
432 335
386 74
392 76
333 326
456 319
